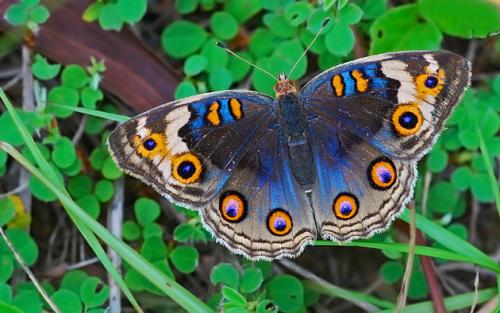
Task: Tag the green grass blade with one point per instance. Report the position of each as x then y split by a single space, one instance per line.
49 172
166 284
452 242
489 168
97 113
451 303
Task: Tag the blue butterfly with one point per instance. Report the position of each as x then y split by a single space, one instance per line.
335 160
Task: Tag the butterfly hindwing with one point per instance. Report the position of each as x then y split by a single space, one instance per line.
187 149
371 120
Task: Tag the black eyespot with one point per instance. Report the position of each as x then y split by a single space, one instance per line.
408 120
149 144
186 169
431 82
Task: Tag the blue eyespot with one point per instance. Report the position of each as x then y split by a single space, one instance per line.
279 224
345 208
408 120
431 82
149 144
186 169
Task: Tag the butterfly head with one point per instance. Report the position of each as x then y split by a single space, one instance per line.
284 86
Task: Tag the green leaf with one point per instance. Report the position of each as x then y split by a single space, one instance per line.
3 158
98 157
224 25
461 178
154 249
442 197
261 81
146 210
287 292
152 229
459 230
62 95
9 132
67 301
233 296
251 279
402 28
90 96
242 10
92 12
39 14
195 64
217 58
7 210
262 42
220 79
279 26
43 70
391 271
74 76
480 187
463 18
318 47
186 6
350 14
238 68
327 60
185 89
182 38
131 231
93 292
5 292
90 204
185 232
28 301
40 191
17 14
437 160
110 170
285 56
340 39
266 306
6 267
469 137
418 288
131 11
72 280
104 190
23 244
184 258
374 8
80 186
316 20
64 153
226 274
297 13
109 19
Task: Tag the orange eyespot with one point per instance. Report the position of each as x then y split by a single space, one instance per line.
429 84
279 222
407 119
186 168
345 206
233 206
152 145
382 173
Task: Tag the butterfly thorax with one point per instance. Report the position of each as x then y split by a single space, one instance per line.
293 121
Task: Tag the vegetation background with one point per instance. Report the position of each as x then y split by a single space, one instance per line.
58 184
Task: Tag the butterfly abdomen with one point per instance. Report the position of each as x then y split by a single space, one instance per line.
293 121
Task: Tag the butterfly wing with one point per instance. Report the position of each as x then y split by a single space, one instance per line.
397 102
370 122
224 154
188 148
262 212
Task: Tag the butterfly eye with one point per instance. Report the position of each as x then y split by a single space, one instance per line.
345 206
407 119
233 206
279 222
382 173
186 168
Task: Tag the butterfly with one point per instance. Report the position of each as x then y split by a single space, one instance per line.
335 160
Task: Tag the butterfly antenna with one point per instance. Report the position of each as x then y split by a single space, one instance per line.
325 22
221 45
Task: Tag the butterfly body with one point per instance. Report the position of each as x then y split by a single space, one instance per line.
335 160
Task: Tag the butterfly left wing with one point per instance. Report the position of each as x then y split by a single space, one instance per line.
187 149
370 121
